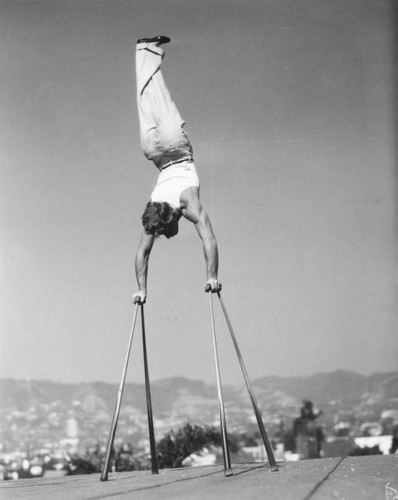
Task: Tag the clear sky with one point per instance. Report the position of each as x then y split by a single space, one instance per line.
290 109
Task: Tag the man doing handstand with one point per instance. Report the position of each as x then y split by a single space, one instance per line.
165 142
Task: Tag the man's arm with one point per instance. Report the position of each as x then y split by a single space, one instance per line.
193 210
141 265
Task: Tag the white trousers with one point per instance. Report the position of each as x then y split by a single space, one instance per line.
161 126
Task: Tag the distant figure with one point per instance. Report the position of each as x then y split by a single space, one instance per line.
308 435
165 142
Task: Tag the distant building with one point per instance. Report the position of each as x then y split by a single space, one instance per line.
72 428
383 442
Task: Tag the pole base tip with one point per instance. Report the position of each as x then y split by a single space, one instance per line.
103 478
228 473
274 468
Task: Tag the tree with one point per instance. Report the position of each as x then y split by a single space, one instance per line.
177 445
172 449
123 457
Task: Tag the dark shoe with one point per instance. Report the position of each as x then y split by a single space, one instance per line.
159 40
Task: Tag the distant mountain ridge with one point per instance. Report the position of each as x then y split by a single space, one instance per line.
341 385
178 394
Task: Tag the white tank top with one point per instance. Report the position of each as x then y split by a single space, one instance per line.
173 180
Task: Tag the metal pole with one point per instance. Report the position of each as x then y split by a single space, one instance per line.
105 470
227 460
257 413
148 400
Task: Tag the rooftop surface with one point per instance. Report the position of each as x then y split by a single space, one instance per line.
348 478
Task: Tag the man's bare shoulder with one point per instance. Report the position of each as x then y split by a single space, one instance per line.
190 204
189 195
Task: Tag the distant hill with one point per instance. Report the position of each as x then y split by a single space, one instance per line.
179 394
42 413
342 386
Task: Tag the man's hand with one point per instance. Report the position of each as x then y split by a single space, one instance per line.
139 297
213 286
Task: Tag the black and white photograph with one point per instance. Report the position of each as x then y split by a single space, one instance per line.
199 235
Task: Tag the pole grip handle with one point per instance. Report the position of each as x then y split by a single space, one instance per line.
208 289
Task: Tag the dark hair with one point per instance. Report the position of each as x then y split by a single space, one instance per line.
157 215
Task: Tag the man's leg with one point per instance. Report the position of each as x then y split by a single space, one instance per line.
160 122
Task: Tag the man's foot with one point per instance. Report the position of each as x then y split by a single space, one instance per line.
159 40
